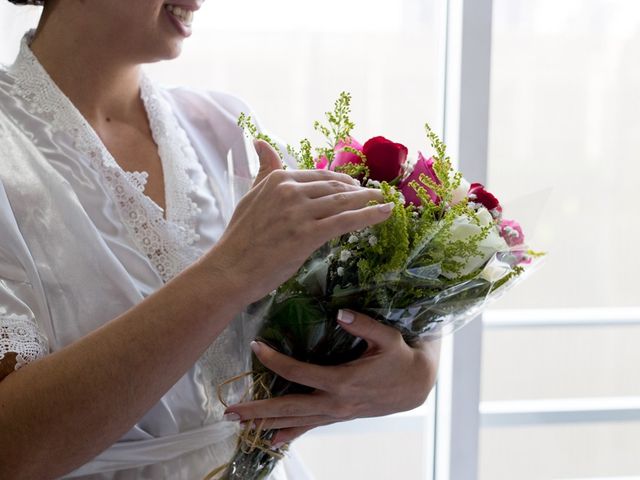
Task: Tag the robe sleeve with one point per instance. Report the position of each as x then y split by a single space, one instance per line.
235 106
19 332
21 339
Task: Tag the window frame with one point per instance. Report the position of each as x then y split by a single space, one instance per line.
460 414
466 121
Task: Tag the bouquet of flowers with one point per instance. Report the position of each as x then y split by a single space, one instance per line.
444 253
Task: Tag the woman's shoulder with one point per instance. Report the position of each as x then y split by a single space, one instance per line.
208 103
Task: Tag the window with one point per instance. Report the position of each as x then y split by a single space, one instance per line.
560 377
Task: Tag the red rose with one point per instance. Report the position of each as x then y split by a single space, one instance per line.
478 194
384 158
425 167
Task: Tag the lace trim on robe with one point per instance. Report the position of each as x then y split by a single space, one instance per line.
20 335
167 243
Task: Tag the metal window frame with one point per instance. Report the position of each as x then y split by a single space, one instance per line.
466 132
452 439
516 413
565 318
522 413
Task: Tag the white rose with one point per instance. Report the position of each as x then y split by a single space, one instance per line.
463 228
460 193
495 270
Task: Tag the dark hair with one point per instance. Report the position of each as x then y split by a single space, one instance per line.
27 2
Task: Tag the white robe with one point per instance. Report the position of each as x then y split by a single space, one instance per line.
80 243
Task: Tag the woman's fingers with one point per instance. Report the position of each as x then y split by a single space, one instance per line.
324 199
376 334
391 377
290 410
331 205
285 217
352 220
269 160
314 376
322 188
305 176
293 422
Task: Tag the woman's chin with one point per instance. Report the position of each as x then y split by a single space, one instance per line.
170 51
174 50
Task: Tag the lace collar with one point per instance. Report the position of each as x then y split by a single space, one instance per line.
168 243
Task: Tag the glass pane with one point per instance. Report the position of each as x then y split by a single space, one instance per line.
289 60
14 22
537 363
564 117
369 454
560 452
563 146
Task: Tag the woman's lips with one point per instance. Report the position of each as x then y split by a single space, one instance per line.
181 17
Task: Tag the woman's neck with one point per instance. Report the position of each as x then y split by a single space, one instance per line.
96 80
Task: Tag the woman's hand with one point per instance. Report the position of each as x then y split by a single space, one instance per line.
285 217
390 377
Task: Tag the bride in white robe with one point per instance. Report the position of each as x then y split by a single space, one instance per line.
91 245
82 244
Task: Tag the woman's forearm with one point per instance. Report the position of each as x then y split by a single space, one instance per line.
59 412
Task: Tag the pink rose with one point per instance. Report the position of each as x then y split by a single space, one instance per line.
478 194
384 158
344 157
425 167
512 233
322 163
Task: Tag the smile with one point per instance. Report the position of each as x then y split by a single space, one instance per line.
184 16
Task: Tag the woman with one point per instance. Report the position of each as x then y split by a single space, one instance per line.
118 288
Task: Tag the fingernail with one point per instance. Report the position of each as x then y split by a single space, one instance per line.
255 346
231 417
345 316
387 207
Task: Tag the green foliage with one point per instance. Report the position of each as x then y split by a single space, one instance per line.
246 123
355 170
340 125
338 128
414 237
443 168
303 157
390 252
515 272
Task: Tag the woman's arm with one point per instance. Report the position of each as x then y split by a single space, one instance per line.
390 377
60 411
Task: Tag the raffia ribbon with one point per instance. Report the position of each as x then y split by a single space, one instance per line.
251 435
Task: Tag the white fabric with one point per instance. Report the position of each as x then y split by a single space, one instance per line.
80 243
